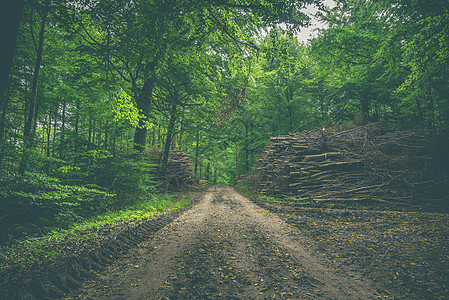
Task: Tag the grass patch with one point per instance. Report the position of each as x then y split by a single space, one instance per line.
46 248
135 213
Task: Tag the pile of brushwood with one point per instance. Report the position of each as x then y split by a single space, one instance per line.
369 162
179 173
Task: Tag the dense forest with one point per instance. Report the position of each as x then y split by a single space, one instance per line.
91 89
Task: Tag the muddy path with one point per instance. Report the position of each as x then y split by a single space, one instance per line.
225 247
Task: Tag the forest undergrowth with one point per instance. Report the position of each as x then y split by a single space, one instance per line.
59 242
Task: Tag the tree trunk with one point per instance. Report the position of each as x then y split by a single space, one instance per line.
93 132
106 137
197 150
3 110
10 16
89 136
278 106
61 143
237 160
289 96
158 143
29 123
48 131
77 119
99 138
181 132
168 140
247 148
143 105
174 141
55 124
364 102
431 109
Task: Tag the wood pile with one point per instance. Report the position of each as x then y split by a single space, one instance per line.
179 174
368 162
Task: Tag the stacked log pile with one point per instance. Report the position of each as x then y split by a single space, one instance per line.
368 162
179 173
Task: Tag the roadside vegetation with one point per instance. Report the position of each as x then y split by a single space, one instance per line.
46 247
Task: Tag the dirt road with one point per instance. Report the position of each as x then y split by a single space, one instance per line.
225 247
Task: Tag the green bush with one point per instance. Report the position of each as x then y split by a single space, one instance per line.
119 173
31 202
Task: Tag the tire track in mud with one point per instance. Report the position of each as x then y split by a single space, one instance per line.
69 273
225 247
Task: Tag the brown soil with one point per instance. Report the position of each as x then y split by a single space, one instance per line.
229 247
405 252
226 247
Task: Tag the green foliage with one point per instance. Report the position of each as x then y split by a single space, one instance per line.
387 60
41 249
126 177
124 109
119 173
31 202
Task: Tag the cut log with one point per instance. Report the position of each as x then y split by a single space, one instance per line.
323 156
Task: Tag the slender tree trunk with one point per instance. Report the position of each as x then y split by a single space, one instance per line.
55 124
143 105
48 131
158 142
289 96
77 119
43 143
62 137
89 134
420 115
106 138
279 118
36 113
29 124
174 141
431 109
237 160
247 148
168 140
4 110
197 150
98 138
181 132
94 131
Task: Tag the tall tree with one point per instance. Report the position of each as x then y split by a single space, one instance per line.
31 112
10 16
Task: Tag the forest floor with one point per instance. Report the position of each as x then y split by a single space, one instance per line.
227 247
